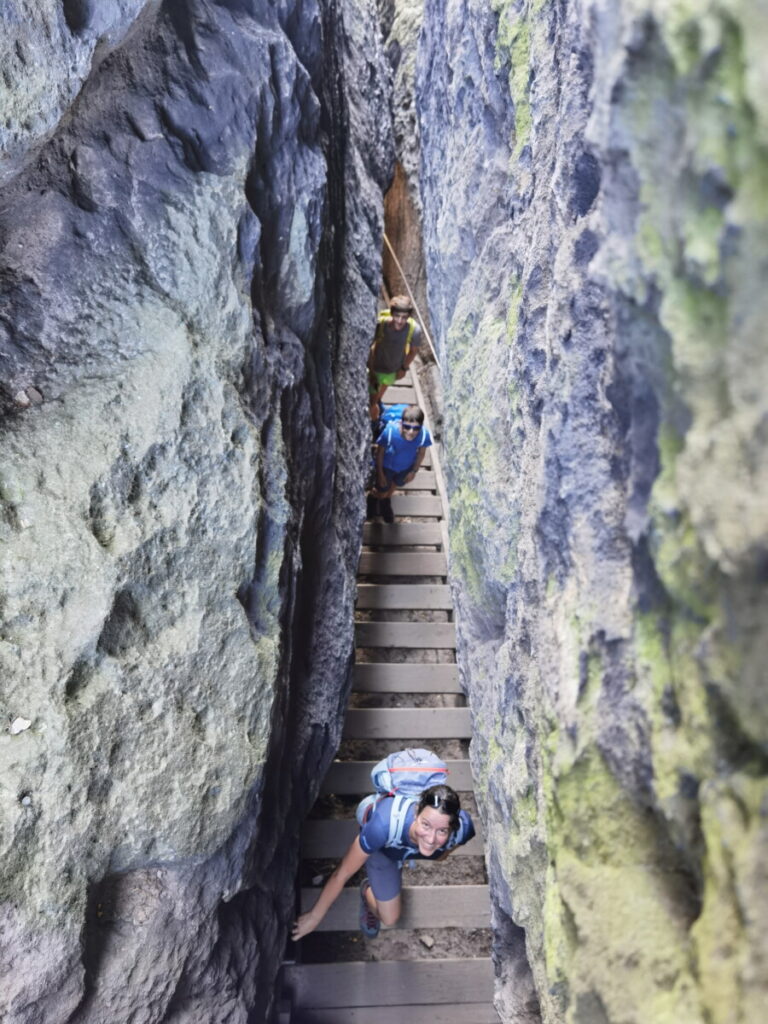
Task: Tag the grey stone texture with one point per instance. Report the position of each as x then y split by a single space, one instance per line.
190 239
594 181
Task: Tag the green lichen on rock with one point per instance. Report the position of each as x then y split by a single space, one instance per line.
480 458
614 927
728 933
513 48
698 234
612 592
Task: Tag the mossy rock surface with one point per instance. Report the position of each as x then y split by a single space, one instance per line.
596 244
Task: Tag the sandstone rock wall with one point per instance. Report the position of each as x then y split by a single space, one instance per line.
595 193
190 230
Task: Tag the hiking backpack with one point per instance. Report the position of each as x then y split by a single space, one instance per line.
391 413
405 775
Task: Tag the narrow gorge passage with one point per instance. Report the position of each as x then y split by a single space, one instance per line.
434 963
194 196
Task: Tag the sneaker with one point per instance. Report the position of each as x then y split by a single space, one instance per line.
386 510
371 507
369 923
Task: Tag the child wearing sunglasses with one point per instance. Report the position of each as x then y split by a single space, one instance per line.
398 454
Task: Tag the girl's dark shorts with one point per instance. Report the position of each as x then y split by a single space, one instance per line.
385 875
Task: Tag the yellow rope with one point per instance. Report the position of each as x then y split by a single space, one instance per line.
413 300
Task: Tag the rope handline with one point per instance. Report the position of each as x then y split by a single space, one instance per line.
413 300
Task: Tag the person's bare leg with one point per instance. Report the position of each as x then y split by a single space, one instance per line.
375 407
387 911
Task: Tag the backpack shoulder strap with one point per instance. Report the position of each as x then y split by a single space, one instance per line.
400 807
409 335
381 319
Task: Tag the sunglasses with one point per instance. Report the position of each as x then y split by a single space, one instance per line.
411 426
400 312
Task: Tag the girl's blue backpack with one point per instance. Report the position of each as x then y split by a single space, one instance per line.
391 413
404 775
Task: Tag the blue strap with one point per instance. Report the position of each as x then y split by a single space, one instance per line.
400 807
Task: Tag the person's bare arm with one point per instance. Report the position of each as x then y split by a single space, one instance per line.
351 862
416 464
412 353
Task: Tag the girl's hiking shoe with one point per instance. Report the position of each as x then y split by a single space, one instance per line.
369 923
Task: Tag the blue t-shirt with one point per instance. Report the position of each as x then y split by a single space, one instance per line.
400 452
375 832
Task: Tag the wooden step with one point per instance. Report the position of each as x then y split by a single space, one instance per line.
284 1012
397 393
404 595
460 1013
382 677
417 505
406 563
407 724
391 983
424 906
354 777
423 481
331 839
402 534
430 635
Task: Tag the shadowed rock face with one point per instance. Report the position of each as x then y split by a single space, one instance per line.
190 230
594 191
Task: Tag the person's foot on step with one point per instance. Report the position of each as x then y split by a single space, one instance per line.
371 507
369 923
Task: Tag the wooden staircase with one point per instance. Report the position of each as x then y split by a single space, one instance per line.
411 665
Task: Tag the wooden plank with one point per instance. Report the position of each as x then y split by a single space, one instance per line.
404 595
324 838
383 677
350 777
402 563
430 635
402 534
416 505
456 1013
382 983
424 906
407 724
284 1012
397 393
423 481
